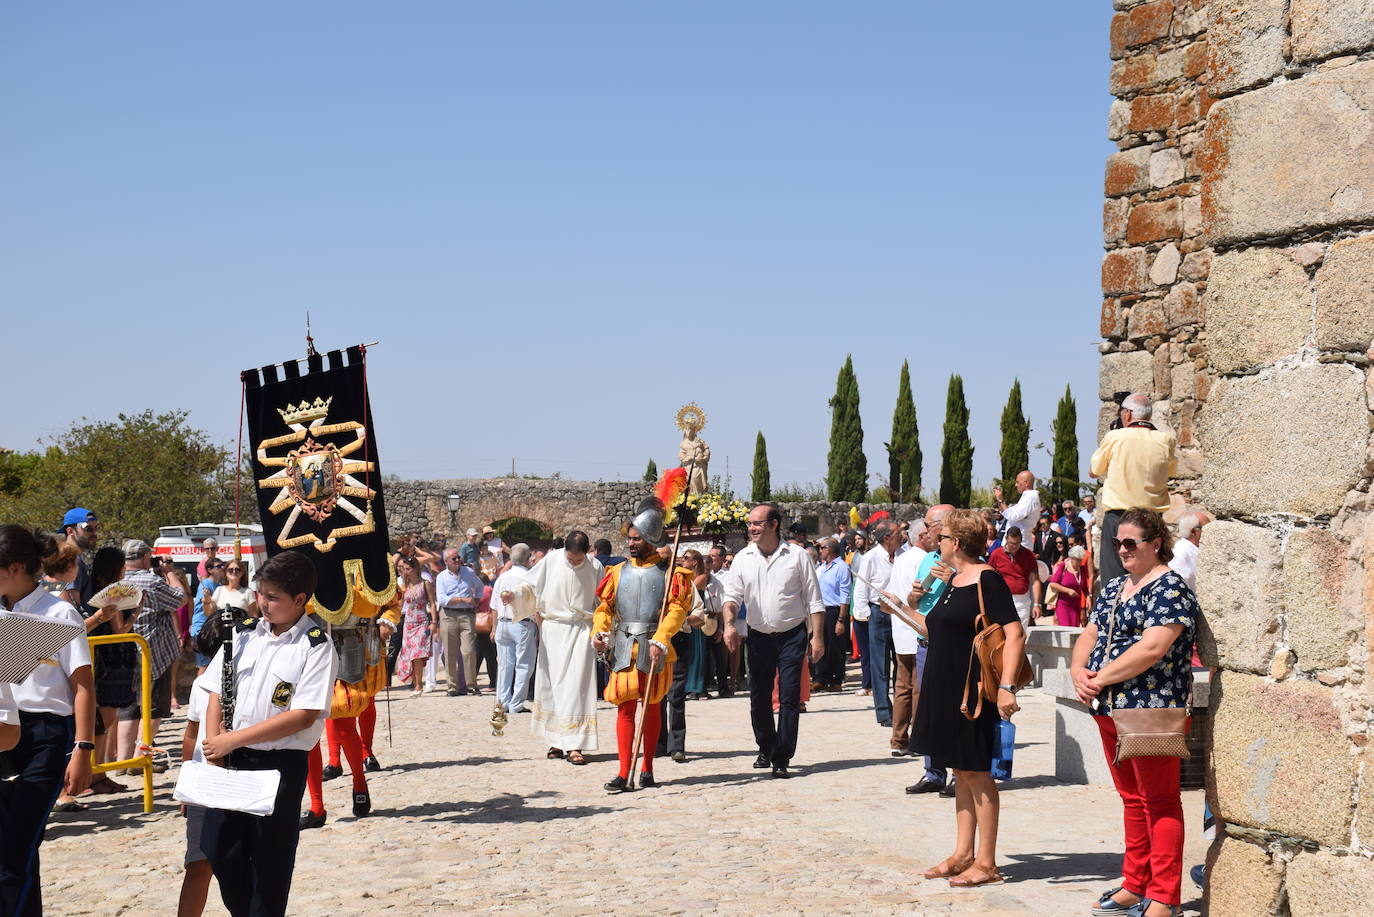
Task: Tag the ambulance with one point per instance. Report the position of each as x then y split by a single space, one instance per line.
183 544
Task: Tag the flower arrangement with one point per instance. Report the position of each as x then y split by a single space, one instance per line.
716 514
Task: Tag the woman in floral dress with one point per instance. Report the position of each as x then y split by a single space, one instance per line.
421 620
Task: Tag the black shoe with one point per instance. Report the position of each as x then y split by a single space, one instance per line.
780 771
947 790
331 771
647 781
762 761
925 785
618 785
453 692
311 820
362 803
680 757
886 724
371 764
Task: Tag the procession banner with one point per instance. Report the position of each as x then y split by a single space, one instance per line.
319 482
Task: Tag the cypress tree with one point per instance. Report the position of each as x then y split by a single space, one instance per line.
847 477
956 453
651 473
904 451
1064 480
762 489
1015 438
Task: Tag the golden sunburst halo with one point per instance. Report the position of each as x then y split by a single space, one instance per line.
690 417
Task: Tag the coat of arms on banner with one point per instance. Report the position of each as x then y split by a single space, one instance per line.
317 478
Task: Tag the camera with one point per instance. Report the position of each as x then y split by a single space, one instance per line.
1118 397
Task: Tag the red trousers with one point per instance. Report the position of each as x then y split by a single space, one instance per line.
1153 810
625 731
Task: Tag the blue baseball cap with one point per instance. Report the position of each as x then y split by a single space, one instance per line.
76 516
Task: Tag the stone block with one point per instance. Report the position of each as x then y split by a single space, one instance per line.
1113 323
1164 270
1124 271
1166 167
1124 372
1242 880
1154 112
1260 308
1146 319
1182 306
1255 427
1240 590
1181 381
1246 40
1197 265
1140 25
1192 216
1118 119
1128 171
1195 59
1315 572
1280 759
1322 884
1345 296
1261 182
1155 222
1115 210
1322 28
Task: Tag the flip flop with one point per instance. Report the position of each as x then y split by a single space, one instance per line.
71 806
554 753
576 757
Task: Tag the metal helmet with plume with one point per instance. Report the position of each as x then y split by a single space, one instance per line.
648 521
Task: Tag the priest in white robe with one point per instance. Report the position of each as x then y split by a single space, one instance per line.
564 709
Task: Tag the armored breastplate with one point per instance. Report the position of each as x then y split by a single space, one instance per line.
639 597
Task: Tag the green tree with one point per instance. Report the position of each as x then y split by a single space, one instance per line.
762 487
15 470
847 477
651 472
137 473
956 453
1015 438
904 451
1064 468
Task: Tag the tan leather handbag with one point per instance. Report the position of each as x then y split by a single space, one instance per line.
1147 732
988 644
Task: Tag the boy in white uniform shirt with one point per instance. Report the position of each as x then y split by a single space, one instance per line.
283 684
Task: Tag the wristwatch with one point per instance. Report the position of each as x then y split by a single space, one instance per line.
85 746
1011 689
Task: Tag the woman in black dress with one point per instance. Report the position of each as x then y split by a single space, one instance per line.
941 730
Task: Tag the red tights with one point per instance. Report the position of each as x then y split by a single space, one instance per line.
625 732
342 732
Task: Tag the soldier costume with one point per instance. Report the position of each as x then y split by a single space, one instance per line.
631 597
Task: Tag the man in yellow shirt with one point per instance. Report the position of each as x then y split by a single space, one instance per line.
1135 463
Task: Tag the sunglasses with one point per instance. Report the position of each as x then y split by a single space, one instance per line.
1130 544
87 526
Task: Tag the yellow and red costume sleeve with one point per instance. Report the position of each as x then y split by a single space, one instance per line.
624 685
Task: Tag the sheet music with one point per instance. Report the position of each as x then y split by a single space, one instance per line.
26 641
897 610
201 784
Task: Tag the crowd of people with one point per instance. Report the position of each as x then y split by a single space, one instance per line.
892 608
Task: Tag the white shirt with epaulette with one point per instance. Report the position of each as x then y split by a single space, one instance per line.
277 673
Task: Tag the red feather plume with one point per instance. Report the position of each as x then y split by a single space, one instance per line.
878 516
671 486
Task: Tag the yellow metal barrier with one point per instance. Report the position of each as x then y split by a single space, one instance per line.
145 761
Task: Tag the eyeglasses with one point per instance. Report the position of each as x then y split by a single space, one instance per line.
233 569
87 526
950 537
1130 544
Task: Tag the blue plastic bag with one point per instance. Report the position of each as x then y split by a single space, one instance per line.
1004 745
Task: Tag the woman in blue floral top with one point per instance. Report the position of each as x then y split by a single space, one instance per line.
1149 664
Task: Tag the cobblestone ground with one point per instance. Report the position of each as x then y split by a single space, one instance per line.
465 822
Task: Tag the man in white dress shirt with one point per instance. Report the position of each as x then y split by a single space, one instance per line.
1025 512
1185 548
905 640
875 569
516 633
776 582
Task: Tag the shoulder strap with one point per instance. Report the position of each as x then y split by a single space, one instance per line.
979 623
1111 628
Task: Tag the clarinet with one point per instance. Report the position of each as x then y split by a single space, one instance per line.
226 694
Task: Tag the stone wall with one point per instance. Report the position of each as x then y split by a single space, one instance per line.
1239 287
598 507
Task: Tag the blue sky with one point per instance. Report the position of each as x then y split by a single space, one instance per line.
562 221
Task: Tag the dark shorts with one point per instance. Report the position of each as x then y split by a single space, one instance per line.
162 700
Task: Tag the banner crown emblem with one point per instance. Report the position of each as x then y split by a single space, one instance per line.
305 412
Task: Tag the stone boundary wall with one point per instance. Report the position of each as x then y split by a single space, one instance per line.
1239 287
598 507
